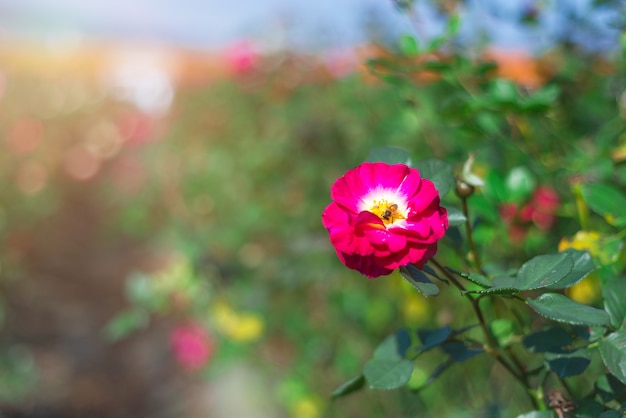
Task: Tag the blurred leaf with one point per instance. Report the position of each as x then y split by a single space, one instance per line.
503 91
394 346
613 351
540 100
567 364
349 387
588 408
389 155
125 323
139 289
560 308
460 352
385 373
454 23
408 45
537 414
433 338
436 66
488 122
494 188
552 340
611 414
436 43
520 183
455 216
543 271
435 374
583 265
439 172
419 280
502 330
609 387
607 201
614 293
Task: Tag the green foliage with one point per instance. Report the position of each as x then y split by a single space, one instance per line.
419 280
557 307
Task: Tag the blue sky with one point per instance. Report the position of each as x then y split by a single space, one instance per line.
297 23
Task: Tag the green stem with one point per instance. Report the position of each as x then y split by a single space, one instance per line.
470 239
490 345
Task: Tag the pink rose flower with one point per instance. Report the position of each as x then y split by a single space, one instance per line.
383 217
192 346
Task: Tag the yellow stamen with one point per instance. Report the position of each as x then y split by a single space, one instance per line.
386 211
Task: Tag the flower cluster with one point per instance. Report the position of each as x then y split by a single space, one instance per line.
383 217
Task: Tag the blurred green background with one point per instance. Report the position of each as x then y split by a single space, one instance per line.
144 189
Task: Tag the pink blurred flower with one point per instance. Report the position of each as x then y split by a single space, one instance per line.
383 217
136 128
192 345
242 57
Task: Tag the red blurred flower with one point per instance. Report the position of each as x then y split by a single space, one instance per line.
540 211
383 217
192 345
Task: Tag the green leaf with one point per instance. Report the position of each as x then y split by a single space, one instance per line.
382 373
454 23
614 300
351 386
478 279
455 216
588 408
394 346
435 374
419 280
502 330
540 100
568 364
552 339
520 183
432 338
125 323
439 172
503 91
607 201
583 265
613 351
611 414
494 188
460 352
502 291
408 46
475 278
389 155
543 271
560 308
537 414
609 387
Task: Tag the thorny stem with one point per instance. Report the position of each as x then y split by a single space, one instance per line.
490 345
470 240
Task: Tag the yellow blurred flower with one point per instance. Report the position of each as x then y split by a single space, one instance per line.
239 327
587 291
306 407
583 241
415 308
